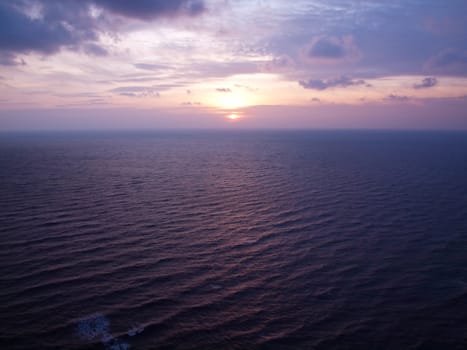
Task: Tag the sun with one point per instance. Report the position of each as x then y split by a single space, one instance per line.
233 116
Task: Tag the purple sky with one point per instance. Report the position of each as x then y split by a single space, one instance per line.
74 64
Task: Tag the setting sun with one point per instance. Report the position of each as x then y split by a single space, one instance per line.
233 116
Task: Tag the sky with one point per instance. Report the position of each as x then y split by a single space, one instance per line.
106 64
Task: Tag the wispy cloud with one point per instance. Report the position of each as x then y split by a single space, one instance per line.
246 87
396 98
136 91
426 83
318 84
152 66
191 103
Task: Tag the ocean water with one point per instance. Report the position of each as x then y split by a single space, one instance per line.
233 240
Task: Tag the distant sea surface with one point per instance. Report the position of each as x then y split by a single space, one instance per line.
233 240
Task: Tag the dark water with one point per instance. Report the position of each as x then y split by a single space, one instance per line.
233 240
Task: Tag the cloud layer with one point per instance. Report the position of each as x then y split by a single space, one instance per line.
222 54
151 9
318 84
46 26
426 83
331 49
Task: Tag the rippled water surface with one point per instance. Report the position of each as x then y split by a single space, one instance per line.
233 240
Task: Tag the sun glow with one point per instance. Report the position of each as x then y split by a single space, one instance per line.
233 116
232 101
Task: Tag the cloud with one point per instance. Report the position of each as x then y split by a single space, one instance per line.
396 98
47 26
330 49
190 104
327 48
94 50
246 87
144 91
209 69
84 103
377 39
8 59
426 83
151 67
280 63
318 84
226 90
136 91
151 9
448 61
47 34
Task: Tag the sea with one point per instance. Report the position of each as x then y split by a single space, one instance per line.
218 239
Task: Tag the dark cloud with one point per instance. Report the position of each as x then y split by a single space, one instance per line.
94 50
151 9
8 59
223 90
396 98
387 38
47 26
327 49
315 84
448 61
330 49
426 83
21 33
318 84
